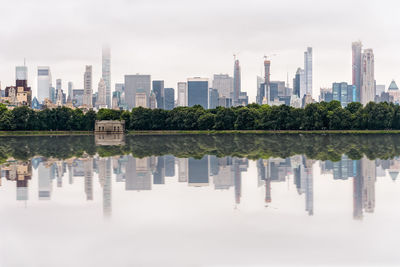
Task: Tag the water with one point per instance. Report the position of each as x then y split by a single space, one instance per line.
200 200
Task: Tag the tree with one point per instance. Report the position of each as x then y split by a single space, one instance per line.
206 121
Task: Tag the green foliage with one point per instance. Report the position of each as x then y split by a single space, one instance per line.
316 116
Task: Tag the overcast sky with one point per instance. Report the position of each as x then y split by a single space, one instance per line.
174 40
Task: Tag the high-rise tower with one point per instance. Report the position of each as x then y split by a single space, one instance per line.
236 82
308 69
356 67
367 92
87 87
44 83
106 73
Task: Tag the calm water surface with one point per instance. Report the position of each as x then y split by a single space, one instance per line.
222 200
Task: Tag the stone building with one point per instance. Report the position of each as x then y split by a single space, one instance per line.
109 126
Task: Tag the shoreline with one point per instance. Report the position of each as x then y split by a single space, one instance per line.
199 132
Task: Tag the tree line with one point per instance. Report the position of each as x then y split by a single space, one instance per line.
316 116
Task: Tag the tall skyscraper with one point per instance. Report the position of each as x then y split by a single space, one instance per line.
87 87
308 69
158 89
21 73
236 82
267 81
106 73
133 83
70 89
102 94
44 83
367 92
356 66
59 92
169 101
182 94
224 84
198 92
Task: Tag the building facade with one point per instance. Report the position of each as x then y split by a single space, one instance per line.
198 92
106 73
87 87
237 81
169 100
133 83
44 83
308 70
367 93
182 94
158 89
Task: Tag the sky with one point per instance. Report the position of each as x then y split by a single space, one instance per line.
176 39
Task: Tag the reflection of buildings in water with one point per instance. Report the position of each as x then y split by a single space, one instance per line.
109 139
105 182
224 177
169 166
138 174
198 171
303 179
183 169
368 172
88 174
46 175
159 171
21 173
119 167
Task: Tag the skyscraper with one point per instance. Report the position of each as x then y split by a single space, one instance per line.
356 66
59 93
106 73
367 92
236 82
308 69
182 94
198 92
87 87
267 81
70 89
102 94
21 73
158 89
132 84
44 83
224 84
169 100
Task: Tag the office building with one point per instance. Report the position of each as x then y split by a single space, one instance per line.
394 92
87 87
106 73
169 98
367 93
159 91
213 98
223 83
44 83
236 82
182 94
77 97
356 66
133 83
152 100
102 94
70 88
141 98
198 92
21 73
308 70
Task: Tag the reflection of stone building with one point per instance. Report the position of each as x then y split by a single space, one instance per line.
106 184
112 139
46 175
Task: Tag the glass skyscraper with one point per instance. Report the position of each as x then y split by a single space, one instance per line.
198 92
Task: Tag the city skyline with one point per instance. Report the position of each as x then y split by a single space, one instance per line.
331 55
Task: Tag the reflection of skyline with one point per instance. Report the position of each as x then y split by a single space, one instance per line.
138 174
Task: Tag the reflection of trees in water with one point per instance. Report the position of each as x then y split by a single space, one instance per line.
252 146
